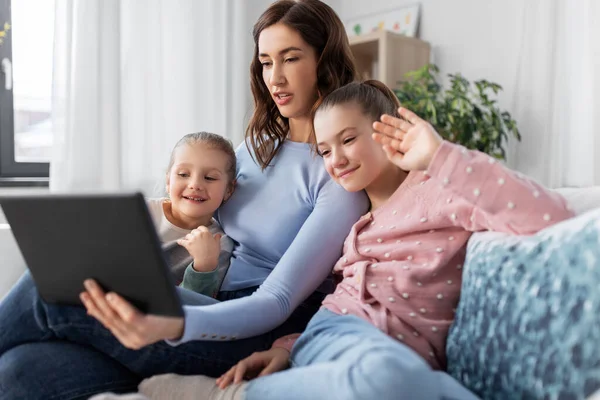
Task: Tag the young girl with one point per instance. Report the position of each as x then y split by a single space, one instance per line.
382 333
200 177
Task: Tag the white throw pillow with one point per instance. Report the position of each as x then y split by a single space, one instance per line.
581 200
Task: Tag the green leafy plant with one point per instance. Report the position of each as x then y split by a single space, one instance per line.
464 114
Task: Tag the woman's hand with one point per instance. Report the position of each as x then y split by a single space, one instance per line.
131 327
257 364
409 143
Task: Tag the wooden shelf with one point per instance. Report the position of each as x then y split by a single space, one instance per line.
387 56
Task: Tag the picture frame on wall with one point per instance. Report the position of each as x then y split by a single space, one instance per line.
404 21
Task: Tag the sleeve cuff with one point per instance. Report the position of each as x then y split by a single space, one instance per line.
185 336
447 152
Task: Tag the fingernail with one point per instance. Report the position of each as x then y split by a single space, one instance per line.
110 297
88 284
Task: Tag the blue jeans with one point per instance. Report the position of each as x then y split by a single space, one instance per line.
345 357
59 352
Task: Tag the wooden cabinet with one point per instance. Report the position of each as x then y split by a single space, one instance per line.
387 56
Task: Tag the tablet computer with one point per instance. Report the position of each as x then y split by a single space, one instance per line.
66 239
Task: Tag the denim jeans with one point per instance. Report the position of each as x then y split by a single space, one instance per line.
344 357
59 352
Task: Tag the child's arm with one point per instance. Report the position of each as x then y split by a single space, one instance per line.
483 193
488 196
209 283
206 283
211 253
204 247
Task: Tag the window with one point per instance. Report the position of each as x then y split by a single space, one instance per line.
26 42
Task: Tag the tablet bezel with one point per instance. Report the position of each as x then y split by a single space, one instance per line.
66 239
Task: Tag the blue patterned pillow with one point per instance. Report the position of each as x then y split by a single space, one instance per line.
528 322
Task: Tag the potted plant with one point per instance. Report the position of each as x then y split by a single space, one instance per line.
461 114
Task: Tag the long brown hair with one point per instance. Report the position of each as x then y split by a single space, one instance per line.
372 96
321 28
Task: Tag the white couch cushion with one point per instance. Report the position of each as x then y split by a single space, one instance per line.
581 200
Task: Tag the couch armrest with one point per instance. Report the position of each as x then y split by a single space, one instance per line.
581 200
12 264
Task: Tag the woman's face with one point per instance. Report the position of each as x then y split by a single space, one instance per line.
289 70
352 158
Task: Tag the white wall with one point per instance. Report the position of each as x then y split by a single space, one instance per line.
12 264
479 39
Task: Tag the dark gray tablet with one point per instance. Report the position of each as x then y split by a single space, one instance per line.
66 239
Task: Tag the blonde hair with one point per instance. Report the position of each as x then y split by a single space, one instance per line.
213 141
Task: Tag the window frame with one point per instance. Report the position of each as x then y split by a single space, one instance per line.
13 173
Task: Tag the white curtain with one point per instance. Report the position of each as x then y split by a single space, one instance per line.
557 95
131 77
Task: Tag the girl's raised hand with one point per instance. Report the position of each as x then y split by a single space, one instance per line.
410 143
130 326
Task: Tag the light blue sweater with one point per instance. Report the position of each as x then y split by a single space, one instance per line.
288 224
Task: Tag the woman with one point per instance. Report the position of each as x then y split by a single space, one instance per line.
287 217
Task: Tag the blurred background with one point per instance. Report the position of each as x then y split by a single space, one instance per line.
96 92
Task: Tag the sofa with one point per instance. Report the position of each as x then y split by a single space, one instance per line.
13 264
528 322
